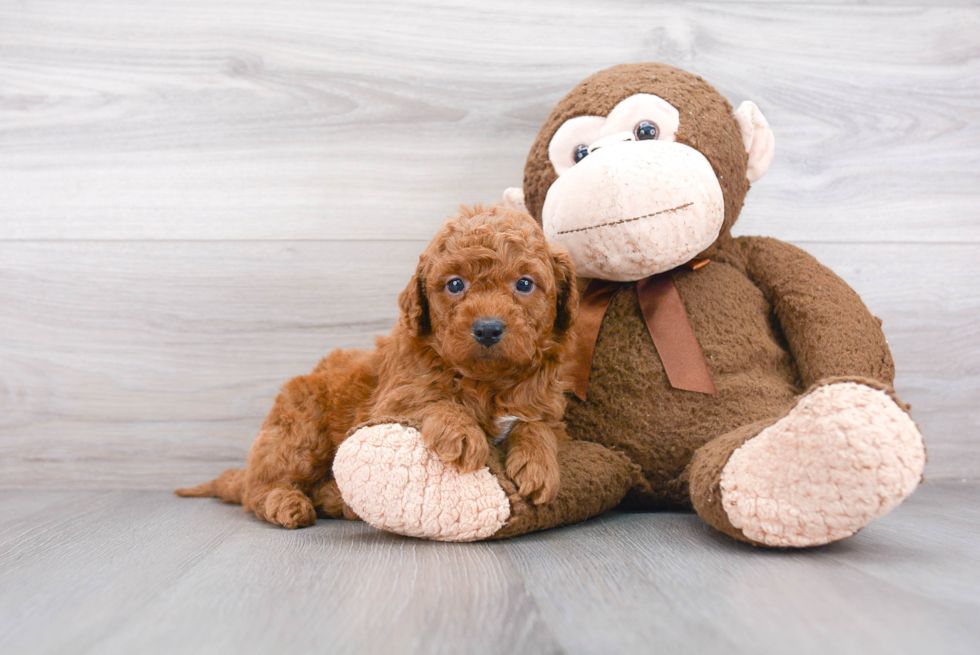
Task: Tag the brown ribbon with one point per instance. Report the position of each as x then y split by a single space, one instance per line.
591 309
667 321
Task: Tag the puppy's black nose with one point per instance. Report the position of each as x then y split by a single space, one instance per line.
488 331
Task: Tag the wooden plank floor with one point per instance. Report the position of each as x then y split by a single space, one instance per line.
144 572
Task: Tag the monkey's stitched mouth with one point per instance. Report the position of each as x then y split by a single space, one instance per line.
626 220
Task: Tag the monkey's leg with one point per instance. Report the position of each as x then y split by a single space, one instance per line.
394 482
592 479
844 455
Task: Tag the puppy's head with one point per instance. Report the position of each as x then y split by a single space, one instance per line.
490 295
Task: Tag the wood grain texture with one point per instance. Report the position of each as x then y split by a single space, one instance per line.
159 360
200 199
297 120
682 587
152 365
146 572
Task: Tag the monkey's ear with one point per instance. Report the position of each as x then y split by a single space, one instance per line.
414 304
514 199
567 301
757 138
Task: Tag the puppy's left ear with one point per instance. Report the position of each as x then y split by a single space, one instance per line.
567 302
414 304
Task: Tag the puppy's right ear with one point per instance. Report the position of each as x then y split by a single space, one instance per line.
414 304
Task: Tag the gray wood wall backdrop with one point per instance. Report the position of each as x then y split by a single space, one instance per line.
201 197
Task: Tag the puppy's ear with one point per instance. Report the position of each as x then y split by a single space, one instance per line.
567 303
414 304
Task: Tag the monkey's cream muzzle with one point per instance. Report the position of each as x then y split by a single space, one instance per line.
631 209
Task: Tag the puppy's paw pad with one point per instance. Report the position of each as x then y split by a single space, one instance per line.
844 456
394 482
290 509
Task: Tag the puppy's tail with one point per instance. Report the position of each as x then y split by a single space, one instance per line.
229 487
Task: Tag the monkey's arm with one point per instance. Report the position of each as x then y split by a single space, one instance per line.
828 328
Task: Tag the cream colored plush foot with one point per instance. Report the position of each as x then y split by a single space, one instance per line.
845 455
392 481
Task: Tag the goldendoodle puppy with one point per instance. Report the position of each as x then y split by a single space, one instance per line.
475 357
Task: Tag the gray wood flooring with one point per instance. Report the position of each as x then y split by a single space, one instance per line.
145 572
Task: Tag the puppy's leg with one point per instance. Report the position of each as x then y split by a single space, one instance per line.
329 502
532 460
292 453
453 434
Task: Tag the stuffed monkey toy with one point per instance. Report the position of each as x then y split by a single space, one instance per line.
733 375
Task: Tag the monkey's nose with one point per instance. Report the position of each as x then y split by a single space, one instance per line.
488 331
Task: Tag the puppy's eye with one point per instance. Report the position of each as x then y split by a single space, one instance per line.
580 153
524 285
455 285
646 130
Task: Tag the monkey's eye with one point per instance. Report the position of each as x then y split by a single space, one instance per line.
456 286
524 285
580 153
646 130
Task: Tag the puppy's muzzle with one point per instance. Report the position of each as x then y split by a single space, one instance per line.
488 331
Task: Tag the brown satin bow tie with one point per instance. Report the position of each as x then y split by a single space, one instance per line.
666 320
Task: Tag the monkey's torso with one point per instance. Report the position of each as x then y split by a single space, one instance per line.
631 406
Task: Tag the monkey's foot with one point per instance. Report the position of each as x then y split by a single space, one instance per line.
391 480
844 456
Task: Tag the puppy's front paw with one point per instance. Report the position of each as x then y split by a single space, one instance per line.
289 508
537 477
460 445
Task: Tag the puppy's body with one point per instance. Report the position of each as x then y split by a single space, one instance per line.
484 324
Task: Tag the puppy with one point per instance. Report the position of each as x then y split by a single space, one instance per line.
475 357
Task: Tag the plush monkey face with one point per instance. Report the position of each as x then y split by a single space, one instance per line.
642 168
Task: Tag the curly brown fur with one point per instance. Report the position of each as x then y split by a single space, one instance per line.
433 371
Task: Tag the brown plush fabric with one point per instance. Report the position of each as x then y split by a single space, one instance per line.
828 328
594 480
762 355
631 405
704 474
771 321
